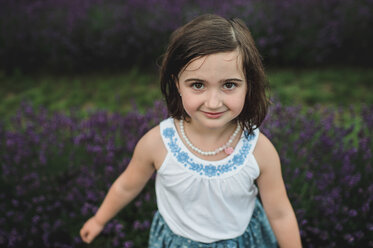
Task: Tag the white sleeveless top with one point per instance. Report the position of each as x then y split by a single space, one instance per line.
202 200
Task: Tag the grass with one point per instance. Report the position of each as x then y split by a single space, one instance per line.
117 92
112 92
330 86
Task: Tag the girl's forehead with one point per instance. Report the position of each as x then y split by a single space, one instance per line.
232 58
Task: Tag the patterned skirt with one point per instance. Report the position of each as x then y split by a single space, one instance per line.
258 234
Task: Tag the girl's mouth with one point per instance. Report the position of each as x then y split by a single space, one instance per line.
213 115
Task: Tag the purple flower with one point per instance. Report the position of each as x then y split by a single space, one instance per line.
138 203
128 244
35 219
146 224
370 226
352 212
118 227
137 225
309 175
349 238
327 177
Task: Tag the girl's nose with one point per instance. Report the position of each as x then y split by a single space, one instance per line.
214 100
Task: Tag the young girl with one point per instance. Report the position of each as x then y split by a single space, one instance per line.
209 153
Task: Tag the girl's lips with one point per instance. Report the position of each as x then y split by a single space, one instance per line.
213 115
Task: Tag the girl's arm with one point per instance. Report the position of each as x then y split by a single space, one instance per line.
126 187
273 195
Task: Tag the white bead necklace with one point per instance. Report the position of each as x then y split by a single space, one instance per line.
227 148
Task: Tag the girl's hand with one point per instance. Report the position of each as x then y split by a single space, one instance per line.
90 230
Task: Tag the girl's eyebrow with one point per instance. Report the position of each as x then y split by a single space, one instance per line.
224 80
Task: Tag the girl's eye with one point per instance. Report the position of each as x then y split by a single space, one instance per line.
229 85
197 86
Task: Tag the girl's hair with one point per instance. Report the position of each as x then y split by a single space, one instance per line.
209 34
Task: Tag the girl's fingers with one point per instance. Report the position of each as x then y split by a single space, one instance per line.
84 234
89 231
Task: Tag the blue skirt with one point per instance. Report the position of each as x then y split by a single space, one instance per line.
258 234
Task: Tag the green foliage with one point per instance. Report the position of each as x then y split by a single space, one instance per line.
330 86
112 92
117 92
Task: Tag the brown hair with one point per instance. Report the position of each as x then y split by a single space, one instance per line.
208 34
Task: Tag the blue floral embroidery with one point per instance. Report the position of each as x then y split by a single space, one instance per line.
182 157
168 132
195 167
209 169
238 159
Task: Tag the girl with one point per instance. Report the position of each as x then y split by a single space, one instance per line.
209 153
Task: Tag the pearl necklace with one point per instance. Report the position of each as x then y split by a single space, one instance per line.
227 148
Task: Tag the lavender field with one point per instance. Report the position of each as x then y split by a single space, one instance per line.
84 35
56 169
57 161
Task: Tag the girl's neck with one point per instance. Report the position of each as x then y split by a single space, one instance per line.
208 139
213 136
209 133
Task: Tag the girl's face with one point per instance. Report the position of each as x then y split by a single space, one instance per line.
213 89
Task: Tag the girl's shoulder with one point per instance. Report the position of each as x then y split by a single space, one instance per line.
265 153
151 145
150 140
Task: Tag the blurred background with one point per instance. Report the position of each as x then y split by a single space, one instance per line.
89 52
79 86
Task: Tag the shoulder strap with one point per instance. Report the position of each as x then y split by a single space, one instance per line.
167 132
252 138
